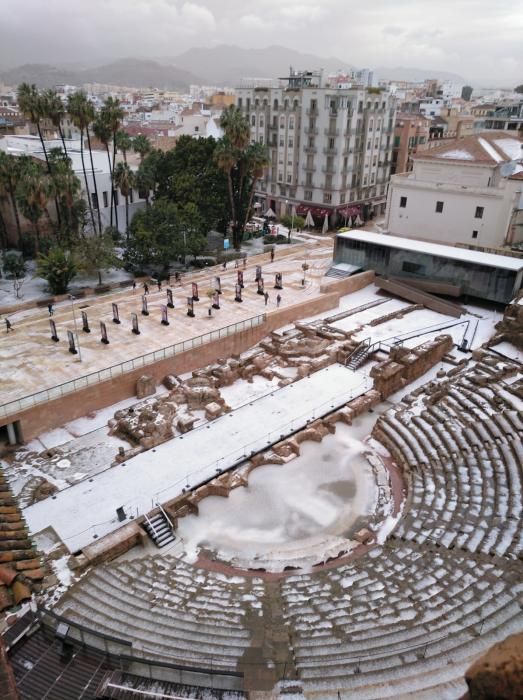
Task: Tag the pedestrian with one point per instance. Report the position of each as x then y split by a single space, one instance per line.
278 301
236 264
50 309
272 254
244 262
224 265
266 296
145 288
176 276
134 285
159 283
8 325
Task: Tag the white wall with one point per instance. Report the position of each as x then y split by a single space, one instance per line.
419 219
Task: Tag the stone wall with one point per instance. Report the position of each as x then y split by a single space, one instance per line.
511 327
404 365
47 416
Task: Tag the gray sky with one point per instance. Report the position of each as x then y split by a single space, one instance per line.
479 39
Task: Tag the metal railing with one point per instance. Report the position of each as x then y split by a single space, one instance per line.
121 368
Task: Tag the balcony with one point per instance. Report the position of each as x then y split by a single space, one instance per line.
330 151
312 111
310 149
312 131
309 168
328 169
331 132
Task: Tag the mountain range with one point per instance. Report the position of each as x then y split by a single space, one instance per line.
219 65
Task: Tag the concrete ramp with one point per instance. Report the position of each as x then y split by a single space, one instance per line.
418 296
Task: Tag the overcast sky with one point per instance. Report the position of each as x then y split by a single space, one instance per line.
479 39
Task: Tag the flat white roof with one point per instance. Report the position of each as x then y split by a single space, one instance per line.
443 251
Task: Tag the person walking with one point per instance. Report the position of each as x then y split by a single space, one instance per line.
272 254
244 262
159 283
145 288
8 325
266 297
236 264
50 309
278 301
224 265
134 285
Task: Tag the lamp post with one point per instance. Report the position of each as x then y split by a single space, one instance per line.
71 297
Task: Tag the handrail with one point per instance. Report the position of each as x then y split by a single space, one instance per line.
149 522
165 515
126 366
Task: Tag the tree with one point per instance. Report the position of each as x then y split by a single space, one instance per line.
32 107
10 173
14 265
111 116
466 93
519 89
145 181
67 187
33 193
77 106
57 268
96 254
142 146
243 163
124 143
53 108
156 235
189 173
124 180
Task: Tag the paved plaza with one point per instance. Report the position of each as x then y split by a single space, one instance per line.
31 361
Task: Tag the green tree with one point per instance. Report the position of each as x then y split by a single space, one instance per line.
519 89
111 116
58 268
124 180
145 180
96 254
67 187
14 264
243 163
466 92
142 146
34 190
32 107
53 108
10 173
189 173
124 143
79 108
156 235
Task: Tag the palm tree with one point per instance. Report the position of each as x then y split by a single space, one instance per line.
124 180
236 127
33 193
89 117
103 133
31 106
142 146
67 187
76 106
226 159
112 113
257 159
10 173
53 108
124 143
144 180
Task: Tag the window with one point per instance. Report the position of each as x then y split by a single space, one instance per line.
479 212
403 202
253 120
94 200
439 207
290 143
240 101
260 139
474 234
282 142
105 198
275 105
282 123
314 105
261 121
413 267
327 197
307 195
280 176
291 122
289 179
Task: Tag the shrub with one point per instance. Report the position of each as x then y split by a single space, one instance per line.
14 265
278 240
58 268
297 222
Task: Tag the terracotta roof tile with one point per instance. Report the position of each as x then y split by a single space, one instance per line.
471 149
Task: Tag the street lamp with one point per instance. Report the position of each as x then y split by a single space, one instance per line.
71 297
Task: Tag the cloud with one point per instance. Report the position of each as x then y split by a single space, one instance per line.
300 12
197 18
254 22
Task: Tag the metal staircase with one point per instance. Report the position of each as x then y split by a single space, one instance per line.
160 528
361 352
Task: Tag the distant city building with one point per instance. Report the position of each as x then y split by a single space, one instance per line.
466 191
508 118
330 148
411 135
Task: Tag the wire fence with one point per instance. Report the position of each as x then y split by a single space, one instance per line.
103 375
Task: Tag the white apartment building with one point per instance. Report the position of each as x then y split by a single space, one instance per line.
31 145
468 191
330 148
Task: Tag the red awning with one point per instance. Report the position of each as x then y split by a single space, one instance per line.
349 211
317 212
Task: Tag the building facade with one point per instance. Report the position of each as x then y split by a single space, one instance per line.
508 118
330 148
467 191
411 135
